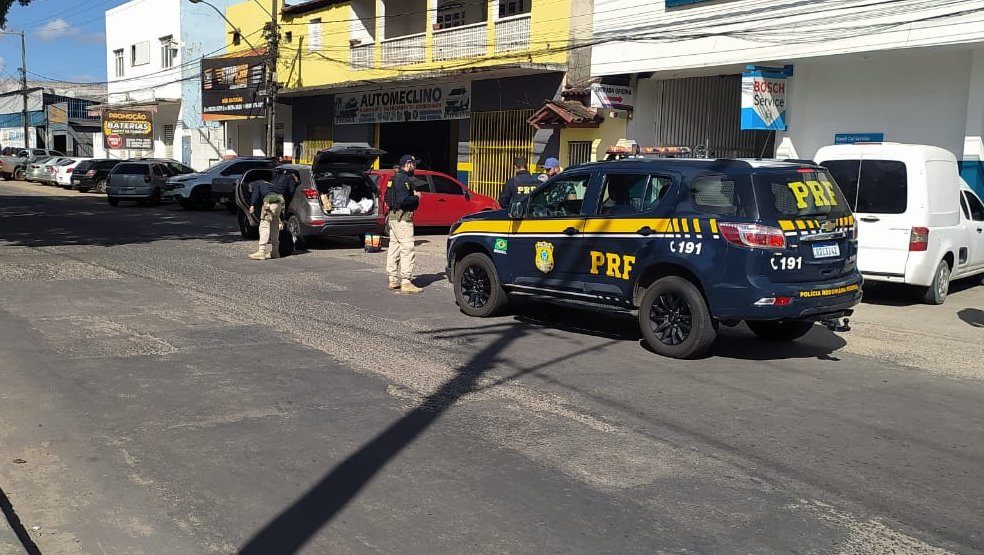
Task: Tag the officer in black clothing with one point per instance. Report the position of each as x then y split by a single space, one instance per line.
402 200
519 186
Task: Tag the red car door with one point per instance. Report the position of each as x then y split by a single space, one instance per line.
450 200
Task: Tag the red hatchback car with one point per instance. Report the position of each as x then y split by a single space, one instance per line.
443 199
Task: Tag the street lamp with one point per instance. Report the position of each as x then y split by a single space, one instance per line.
270 62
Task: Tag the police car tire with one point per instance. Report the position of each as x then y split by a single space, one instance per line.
497 297
789 330
703 331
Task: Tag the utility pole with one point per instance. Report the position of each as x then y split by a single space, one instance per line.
27 143
273 47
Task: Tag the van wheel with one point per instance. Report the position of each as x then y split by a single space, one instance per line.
786 330
674 319
936 293
114 201
477 288
245 229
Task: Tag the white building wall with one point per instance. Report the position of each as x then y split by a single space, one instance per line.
132 23
919 96
737 32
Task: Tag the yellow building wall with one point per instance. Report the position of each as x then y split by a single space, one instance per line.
601 138
300 67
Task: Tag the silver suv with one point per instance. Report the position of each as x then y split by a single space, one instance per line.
142 180
335 197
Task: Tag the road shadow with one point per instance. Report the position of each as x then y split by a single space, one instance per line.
897 294
972 316
49 221
290 530
429 279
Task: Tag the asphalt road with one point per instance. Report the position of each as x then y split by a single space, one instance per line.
161 393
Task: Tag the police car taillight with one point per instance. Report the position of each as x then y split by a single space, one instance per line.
753 236
774 301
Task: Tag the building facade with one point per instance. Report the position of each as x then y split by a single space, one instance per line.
906 71
450 82
153 66
58 118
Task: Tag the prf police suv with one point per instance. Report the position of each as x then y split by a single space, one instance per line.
689 243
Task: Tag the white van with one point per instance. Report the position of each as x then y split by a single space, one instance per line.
918 221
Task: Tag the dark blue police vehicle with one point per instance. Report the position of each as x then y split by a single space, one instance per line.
691 244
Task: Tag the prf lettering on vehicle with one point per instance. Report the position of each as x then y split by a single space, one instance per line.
822 193
616 265
829 292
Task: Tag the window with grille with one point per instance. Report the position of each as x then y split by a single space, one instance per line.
578 152
169 135
450 14
512 7
168 52
118 58
314 34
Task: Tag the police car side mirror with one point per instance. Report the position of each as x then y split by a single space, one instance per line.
516 210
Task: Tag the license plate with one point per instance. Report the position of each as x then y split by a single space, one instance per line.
130 191
76 182
826 250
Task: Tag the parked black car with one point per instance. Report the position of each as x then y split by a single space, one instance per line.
141 180
92 174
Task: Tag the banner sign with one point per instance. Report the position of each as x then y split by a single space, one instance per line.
420 103
232 88
128 129
14 137
763 101
58 117
614 97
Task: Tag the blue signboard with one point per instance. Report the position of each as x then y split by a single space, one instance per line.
852 138
763 100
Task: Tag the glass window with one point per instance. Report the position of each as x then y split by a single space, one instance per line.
159 171
632 193
314 34
175 168
513 7
118 60
559 198
976 207
168 52
714 194
444 186
963 206
132 169
798 193
872 186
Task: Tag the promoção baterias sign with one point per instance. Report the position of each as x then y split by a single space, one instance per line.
127 129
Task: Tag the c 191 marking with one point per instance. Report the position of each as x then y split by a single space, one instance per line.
685 247
786 263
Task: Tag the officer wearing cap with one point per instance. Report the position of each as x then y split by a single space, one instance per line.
402 201
518 186
552 165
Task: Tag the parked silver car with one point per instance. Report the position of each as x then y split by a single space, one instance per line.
335 197
141 179
36 168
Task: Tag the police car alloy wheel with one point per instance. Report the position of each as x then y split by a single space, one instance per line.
674 319
476 286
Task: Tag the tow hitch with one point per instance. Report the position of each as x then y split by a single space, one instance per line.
838 324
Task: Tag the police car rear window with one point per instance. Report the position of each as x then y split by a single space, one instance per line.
800 192
715 194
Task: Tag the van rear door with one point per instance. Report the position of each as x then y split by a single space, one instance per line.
878 192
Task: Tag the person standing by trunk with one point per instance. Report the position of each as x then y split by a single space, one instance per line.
402 200
268 201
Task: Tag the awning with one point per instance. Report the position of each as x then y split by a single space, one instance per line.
559 114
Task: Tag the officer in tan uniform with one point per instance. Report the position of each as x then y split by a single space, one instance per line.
402 200
267 200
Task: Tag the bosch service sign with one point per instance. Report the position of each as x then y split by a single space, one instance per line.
128 129
763 101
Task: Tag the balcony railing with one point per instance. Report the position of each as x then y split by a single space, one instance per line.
461 42
409 49
363 56
512 33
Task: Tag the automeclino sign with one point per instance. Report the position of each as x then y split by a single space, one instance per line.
763 101
421 103
128 129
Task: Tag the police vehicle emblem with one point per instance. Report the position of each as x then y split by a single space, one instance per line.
544 256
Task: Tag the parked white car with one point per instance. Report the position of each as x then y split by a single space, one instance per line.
63 173
918 221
